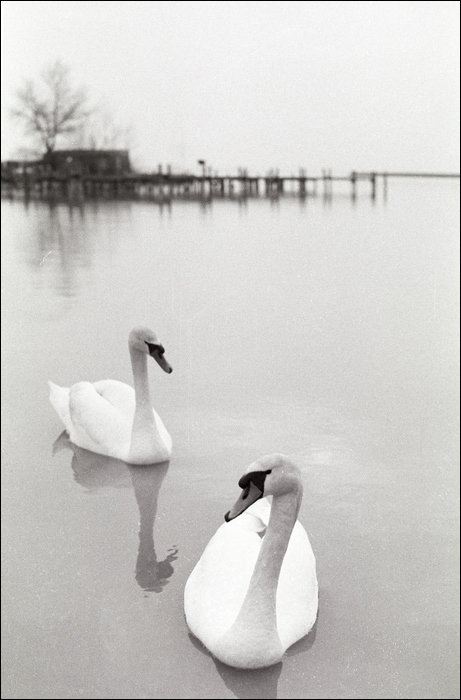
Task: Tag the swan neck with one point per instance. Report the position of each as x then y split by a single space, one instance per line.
260 600
140 381
255 626
282 519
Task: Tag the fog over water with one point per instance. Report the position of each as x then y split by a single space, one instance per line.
257 85
324 329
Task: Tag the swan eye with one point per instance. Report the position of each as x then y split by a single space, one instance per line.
269 471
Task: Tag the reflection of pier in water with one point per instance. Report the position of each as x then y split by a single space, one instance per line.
63 238
167 186
95 472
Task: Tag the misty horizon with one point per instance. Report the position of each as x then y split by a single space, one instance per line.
259 85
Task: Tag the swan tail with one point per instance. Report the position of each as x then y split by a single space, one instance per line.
59 399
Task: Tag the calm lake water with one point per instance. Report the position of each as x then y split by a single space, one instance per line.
326 330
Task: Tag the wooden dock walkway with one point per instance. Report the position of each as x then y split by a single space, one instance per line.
161 186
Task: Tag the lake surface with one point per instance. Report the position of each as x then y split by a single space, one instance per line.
322 329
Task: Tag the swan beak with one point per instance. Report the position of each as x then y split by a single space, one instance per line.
248 496
157 352
163 364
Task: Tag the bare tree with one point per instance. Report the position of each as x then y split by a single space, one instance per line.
51 108
101 131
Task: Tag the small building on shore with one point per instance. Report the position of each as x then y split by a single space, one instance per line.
70 163
87 162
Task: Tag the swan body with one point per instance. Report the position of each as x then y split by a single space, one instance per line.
254 591
113 419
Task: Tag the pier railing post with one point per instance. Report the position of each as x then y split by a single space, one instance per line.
164 184
302 182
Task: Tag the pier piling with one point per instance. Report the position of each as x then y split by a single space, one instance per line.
165 185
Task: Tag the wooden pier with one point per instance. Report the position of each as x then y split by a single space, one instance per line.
163 187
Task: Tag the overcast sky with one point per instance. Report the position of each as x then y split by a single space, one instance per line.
341 85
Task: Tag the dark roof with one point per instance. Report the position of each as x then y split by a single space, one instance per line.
91 152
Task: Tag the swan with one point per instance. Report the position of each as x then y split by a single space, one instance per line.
253 592
113 419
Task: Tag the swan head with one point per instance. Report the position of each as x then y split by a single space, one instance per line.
142 339
270 475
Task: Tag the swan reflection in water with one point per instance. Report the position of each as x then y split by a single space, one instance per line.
94 472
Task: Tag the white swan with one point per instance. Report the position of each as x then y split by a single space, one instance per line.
252 595
112 418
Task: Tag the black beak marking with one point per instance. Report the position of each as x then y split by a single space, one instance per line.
155 347
252 485
258 479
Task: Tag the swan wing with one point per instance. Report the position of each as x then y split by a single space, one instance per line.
297 590
122 397
217 586
119 394
97 424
